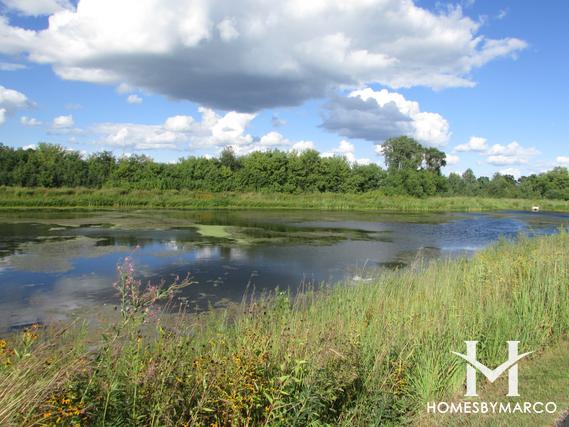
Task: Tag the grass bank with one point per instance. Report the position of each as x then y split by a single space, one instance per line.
14 197
367 353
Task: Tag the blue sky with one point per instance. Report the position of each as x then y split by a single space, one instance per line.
482 80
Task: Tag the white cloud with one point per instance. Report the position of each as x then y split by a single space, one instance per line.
515 172
30 121
63 122
11 101
179 123
179 132
137 136
562 160
502 14
273 139
211 134
8 66
220 131
346 149
301 146
246 55
511 154
134 99
498 154
475 143
124 88
38 7
378 115
30 147
452 159
227 30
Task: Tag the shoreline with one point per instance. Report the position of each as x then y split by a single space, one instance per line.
13 198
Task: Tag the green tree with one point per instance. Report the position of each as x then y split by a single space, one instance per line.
434 160
403 153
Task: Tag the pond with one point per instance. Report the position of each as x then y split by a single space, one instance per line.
53 263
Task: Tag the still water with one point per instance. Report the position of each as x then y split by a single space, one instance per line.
56 263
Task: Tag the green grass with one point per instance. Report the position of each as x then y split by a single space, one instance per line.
14 197
360 354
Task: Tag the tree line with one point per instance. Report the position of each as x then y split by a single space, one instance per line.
411 169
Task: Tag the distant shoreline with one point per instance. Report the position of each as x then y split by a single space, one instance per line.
118 198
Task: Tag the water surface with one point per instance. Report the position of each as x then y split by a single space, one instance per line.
56 263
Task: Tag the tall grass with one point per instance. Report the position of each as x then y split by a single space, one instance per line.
14 197
366 353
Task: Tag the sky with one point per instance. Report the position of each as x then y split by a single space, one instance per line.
482 80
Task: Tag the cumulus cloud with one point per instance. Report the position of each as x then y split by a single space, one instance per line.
452 160
227 30
515 172
63 122
301 146
273 139
11 101
475 143
378 115
179 123
498 154
137 136
347 149
37 7
124 88
562 160
510 154
212 133
30 121
134 99
247 55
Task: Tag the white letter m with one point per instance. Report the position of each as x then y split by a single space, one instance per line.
510 365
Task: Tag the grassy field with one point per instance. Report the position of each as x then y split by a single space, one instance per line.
361 354
13 197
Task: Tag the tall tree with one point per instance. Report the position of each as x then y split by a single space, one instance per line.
435 159
403 153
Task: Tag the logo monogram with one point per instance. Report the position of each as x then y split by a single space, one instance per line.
510 365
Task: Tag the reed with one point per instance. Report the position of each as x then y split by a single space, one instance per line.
117 198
